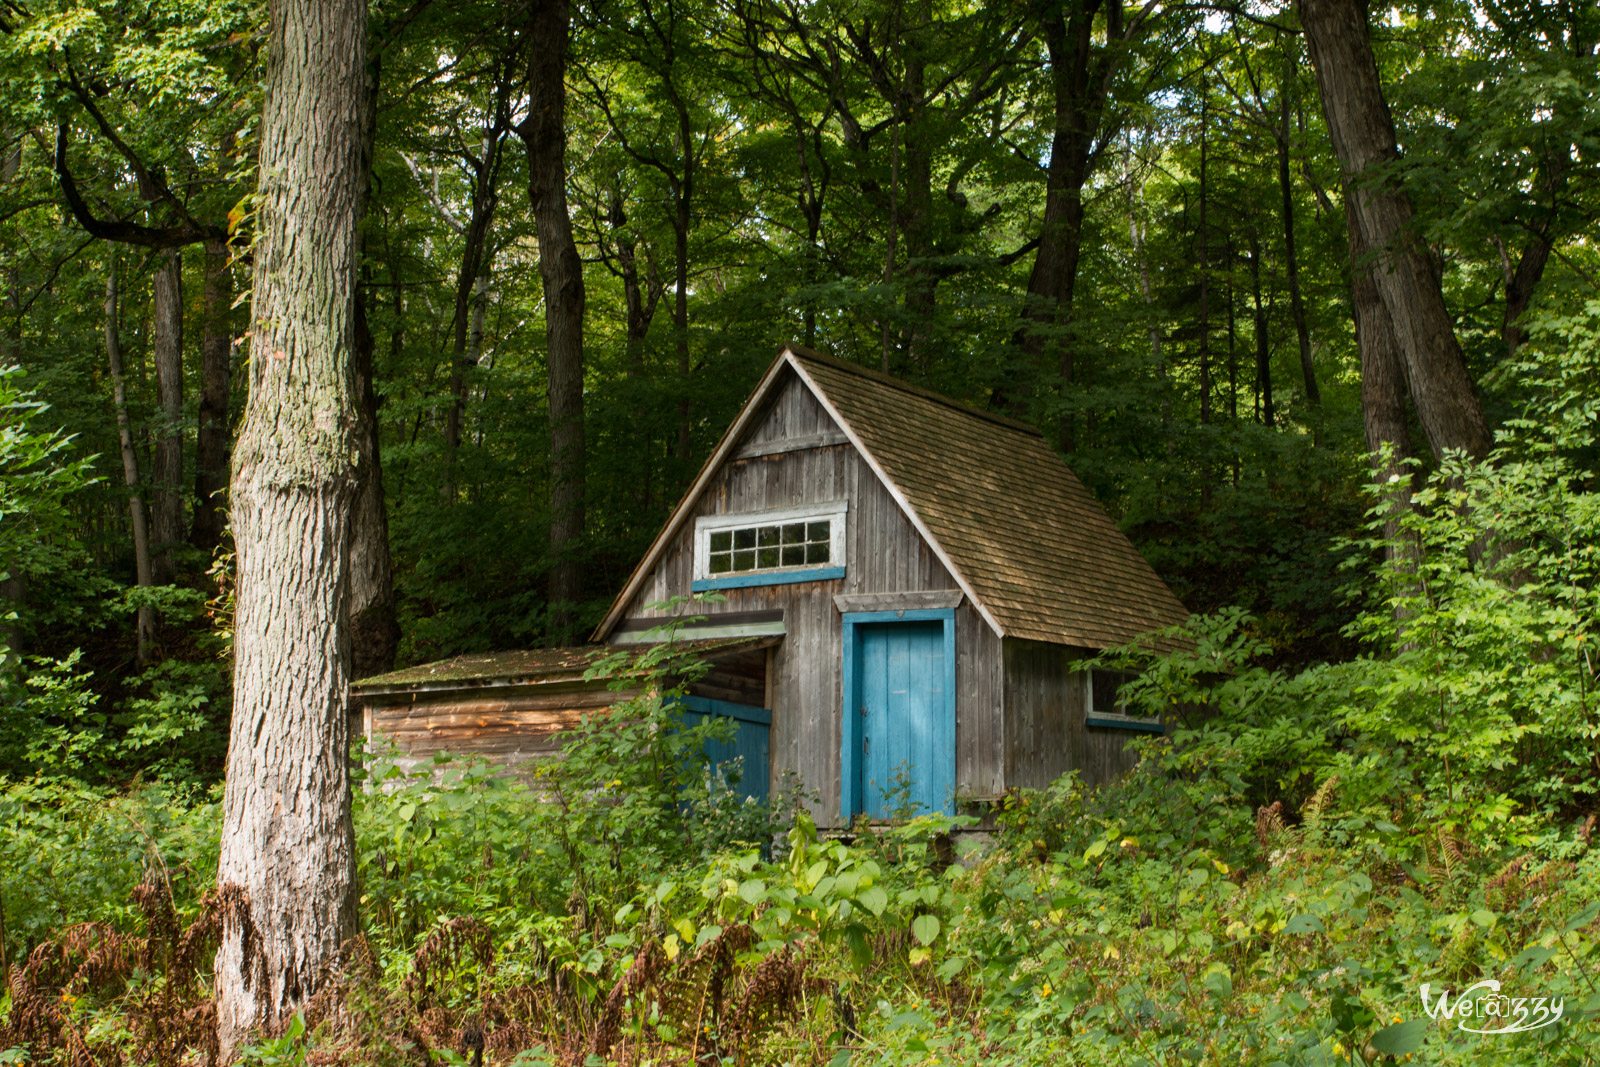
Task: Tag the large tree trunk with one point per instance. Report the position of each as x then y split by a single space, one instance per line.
146 622
167 461
216 372
1364 140
288 846
545 136
1383 383
1079 94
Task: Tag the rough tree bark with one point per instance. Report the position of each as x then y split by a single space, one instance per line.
216 372
288 848
1082 72
1383 385
166 474
544 135
1364 140
146 622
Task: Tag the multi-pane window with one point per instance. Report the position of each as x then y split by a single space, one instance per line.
770 546
744 546
1105 706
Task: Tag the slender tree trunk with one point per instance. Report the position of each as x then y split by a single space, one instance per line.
641 291
1521 281
374 628
167 466
1364 140
1263 350
1047 305
472 286
216 373
146 624
545 137
1291 260
287 865
680 312
1205 273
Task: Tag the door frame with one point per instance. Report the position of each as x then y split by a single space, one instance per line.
851 802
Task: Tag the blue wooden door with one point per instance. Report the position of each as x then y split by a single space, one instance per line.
905 718
749 744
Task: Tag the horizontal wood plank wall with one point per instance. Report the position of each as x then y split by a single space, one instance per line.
509 726
883 553
740 679
1046 734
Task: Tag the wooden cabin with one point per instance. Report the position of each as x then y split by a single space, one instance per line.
903 582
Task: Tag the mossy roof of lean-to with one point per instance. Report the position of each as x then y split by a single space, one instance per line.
1022 535
535 665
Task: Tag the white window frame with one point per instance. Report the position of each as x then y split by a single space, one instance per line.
833 510
1119 718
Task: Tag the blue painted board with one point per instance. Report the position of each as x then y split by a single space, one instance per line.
901 678
750 742
747 581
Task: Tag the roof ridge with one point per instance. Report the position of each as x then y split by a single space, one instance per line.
802 352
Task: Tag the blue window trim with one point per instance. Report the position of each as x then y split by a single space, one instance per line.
742 712
745 581
850 800
1125 724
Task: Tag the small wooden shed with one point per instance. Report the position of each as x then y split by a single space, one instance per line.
906 581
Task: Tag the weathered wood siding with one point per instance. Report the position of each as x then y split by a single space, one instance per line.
883 553
1045 729
508 725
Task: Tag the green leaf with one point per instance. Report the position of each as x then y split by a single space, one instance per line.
1304 923
925 928
1401 1039
1583 918
1095 849
860 947
951 967
874 899
1484 918
753 891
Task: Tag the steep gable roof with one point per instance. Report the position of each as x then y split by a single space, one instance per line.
1028 543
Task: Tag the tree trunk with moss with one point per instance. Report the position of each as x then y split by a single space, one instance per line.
288 846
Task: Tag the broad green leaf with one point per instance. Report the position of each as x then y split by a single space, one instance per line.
1304 923
874 899
1401 1039
925 928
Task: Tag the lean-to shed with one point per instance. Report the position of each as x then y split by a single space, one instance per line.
916 579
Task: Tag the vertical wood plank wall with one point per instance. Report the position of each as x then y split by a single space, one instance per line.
1046 733
884 553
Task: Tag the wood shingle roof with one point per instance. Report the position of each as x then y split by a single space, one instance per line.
1037 553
